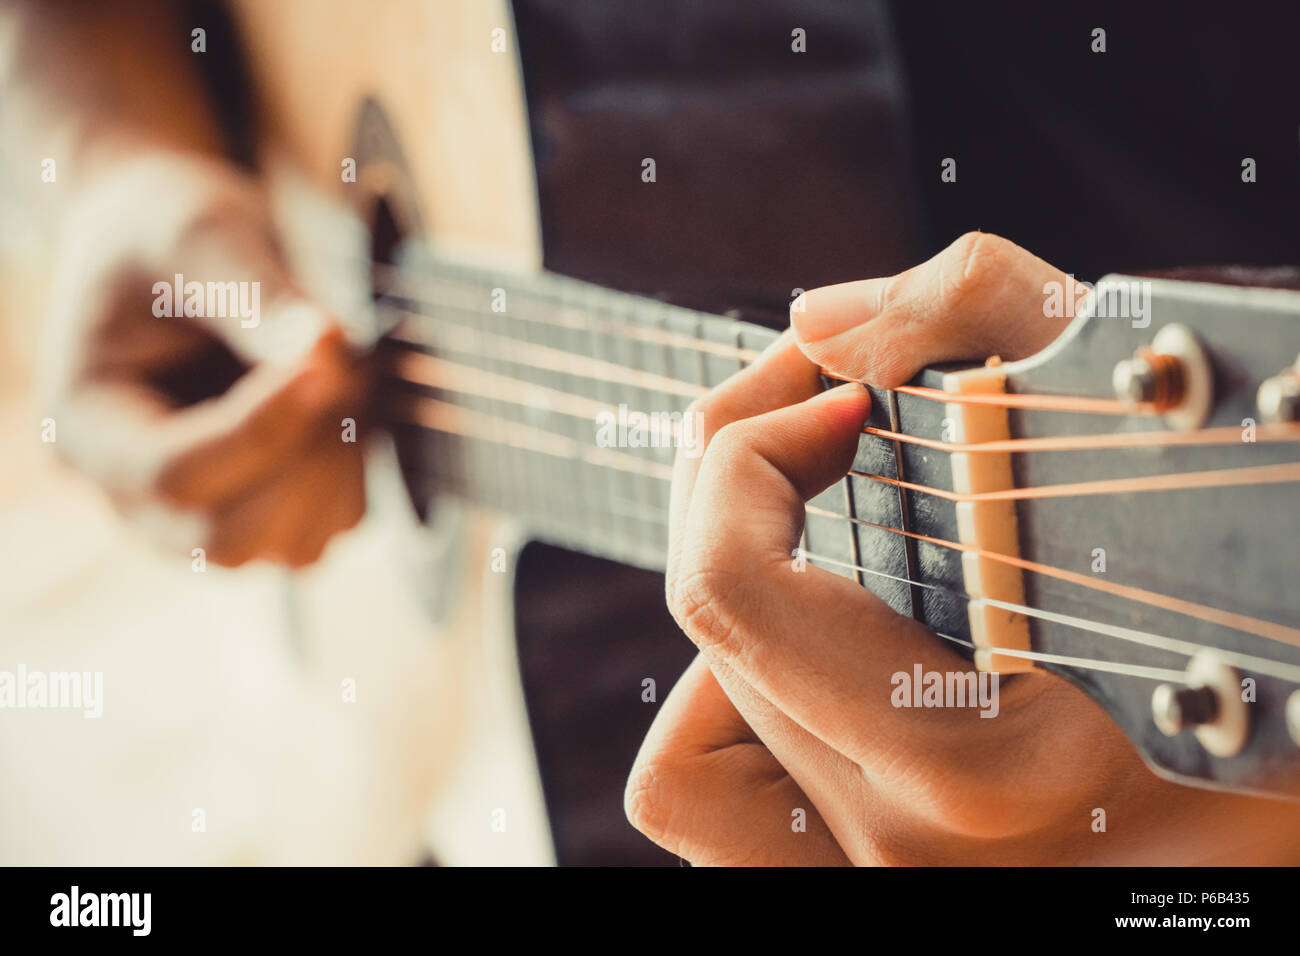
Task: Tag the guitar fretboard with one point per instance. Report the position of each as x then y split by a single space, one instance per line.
561 402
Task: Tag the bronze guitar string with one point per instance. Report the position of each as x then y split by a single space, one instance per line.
444 416
1285 472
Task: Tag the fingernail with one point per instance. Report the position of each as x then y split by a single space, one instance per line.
853 397
833 309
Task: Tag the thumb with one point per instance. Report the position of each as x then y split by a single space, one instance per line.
203 453
981 296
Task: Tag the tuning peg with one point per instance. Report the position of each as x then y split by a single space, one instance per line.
1172 373
1176 709
1210 704
1147 377
1293 716
1278 398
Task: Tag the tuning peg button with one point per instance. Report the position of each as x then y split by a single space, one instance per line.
1134 380
1209 704
1176 709
1293 716
1172 375
1278 398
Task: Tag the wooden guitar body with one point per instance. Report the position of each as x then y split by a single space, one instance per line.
335 80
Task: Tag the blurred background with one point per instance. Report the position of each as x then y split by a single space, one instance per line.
225 735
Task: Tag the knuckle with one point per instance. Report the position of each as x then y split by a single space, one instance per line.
885 362
701 599
647 802
731 440
711 412
969 262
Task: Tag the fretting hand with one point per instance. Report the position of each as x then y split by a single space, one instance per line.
788 705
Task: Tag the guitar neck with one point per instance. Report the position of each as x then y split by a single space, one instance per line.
554 400
561 402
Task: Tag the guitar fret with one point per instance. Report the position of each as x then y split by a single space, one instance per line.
587 483
878 550
657 361
937 608
603 494
643 400
904 509
579 500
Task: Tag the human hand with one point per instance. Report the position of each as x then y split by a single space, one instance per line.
788 706
222 430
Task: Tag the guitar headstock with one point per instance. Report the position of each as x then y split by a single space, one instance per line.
1151 469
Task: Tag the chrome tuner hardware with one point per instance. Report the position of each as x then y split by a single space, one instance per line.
1209 705
1278 398
1173 373
1293 716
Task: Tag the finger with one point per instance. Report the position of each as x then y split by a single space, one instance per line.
265 420
289 518
780 376
820 647
845 800
335 486
199 455
704 787
981 296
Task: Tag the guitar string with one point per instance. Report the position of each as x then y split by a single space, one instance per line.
1228 435
557 360
458 420
1043 402
547 359
1183 480
1047 403
1260 665
1269 630
583 321
563 361
1131 670
1263 665
424 369
568 448
573 317
433 371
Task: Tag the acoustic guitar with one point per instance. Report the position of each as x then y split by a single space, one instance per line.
1120 509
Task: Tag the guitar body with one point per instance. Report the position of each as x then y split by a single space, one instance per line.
340 81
